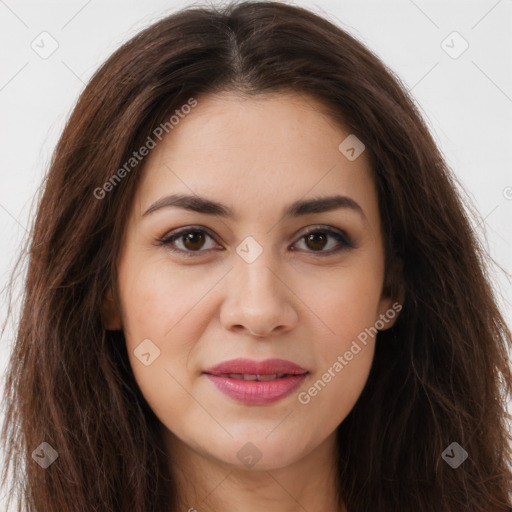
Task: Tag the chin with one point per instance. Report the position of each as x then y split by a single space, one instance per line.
259 453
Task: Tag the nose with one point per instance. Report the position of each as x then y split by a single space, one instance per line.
258 301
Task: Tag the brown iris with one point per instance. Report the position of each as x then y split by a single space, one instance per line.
316 241
193 240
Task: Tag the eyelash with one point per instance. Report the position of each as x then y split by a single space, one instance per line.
344 241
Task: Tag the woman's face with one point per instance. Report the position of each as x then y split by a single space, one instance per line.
243 281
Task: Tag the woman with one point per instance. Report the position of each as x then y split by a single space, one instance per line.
253 286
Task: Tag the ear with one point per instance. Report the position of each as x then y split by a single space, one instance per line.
110 314
392 298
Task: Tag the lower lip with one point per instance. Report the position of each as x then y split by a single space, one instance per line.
253 392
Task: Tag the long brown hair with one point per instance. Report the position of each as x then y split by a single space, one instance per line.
440 375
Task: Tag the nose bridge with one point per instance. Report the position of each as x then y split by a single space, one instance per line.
254 277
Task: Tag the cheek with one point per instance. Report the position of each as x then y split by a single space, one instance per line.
168 307
332 394
346 302
157 301
343 363
346 305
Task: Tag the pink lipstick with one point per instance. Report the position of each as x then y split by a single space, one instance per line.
256 382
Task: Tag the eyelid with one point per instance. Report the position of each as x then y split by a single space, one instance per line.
342 237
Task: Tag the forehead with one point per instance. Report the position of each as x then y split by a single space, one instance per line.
266 149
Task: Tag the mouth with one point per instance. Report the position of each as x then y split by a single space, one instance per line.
254 377
256 382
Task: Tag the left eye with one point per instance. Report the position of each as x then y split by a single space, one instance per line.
318 240
190 240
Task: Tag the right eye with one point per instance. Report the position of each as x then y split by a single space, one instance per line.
188 241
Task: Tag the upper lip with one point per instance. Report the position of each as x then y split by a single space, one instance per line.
252 367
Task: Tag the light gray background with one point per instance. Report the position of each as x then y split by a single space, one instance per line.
467 101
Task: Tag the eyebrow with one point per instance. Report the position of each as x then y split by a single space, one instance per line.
296 209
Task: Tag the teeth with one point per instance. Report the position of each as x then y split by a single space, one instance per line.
251 376
267 377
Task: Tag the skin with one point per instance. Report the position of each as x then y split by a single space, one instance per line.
256 155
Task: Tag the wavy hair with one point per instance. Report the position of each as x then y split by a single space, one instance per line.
440 375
